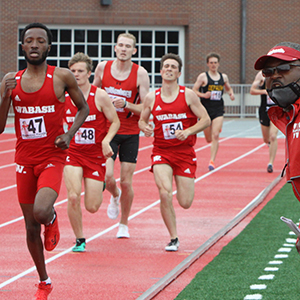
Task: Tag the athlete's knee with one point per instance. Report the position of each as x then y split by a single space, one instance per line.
74 199
92 208
43 214
273 138
185 203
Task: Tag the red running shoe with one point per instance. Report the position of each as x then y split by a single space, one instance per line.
43 291
51 235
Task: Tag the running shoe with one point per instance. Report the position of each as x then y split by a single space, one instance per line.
270 168
43 291
123 232
211 166
173 245
51 234
79 247
113 207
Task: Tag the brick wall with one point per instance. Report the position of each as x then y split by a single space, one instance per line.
210 26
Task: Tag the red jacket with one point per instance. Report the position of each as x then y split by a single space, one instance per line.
289 124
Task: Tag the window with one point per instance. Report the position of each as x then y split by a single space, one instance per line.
99 42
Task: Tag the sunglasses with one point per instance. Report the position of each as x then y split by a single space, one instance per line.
281 69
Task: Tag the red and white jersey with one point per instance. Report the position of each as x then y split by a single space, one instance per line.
38 121
127 90
169 117
87 140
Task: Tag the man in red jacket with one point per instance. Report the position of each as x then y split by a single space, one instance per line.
281 68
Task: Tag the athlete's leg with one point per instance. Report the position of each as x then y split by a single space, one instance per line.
273 142
216 127
73 181
127 170
93 194
34 241
207 134
265 130
163 174
110 181
185 191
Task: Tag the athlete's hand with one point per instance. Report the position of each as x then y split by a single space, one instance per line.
181 134
106 149
62 141
119 102
207 95
10 84
148 130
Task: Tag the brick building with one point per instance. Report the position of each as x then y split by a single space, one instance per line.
192 28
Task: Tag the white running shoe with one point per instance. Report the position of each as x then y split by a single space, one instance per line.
113 207
173 245
123 231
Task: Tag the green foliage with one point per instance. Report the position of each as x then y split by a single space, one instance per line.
243 260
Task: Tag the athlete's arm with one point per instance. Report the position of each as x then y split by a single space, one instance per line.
64 80
201 81
105 105
99 73
8 84
258 81
143 85
228 88
145 114
199 111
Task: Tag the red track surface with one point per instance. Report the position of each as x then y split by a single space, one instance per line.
125 268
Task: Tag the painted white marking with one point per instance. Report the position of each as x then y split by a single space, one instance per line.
253 297
281 256
258 287
266 277
289 240
275 262
285 250
269 269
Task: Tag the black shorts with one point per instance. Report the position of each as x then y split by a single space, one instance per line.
127 146
214 110
263 116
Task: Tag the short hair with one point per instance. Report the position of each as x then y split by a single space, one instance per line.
37 25
290 45
171 56
129 36
212 54
81 57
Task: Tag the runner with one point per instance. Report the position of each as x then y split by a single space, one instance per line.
38 95
178 116
89 148
127 84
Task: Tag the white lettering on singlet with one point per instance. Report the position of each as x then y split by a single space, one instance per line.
171 116
35 109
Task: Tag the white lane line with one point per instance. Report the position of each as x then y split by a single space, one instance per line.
114 226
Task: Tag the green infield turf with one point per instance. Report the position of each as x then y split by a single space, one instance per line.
260 263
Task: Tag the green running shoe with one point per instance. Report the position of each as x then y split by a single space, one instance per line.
79 247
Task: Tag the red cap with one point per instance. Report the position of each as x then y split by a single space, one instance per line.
280 52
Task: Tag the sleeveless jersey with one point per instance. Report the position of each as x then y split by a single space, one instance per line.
127 90
265 101
168 117
87 140
216 87
38 121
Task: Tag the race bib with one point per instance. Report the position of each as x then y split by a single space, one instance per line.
85 136
33 128
170 128
216 95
